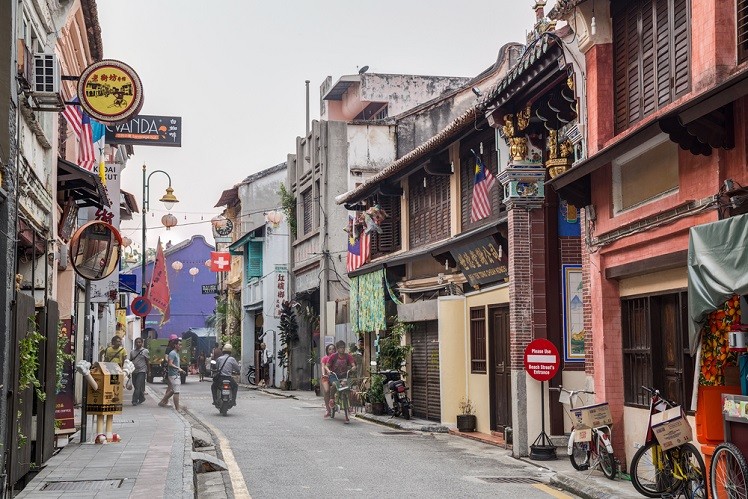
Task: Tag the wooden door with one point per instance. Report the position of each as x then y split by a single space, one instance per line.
425 389
500 379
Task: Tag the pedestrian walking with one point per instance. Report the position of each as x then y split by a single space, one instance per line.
173 370
201 365
115 352
139 357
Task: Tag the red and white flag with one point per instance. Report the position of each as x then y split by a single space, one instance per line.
80 124
220 261
158 291
358 247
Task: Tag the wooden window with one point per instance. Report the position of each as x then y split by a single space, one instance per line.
651 51
391 237
254 259
467 181
655 348
306 209
429 208
478 340
742 25
645 174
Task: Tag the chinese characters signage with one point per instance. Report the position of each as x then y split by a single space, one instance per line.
281 288
106 290
110 91
145 130
481 262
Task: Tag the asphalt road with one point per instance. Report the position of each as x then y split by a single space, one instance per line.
283 447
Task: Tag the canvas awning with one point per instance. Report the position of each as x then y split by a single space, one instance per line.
717 269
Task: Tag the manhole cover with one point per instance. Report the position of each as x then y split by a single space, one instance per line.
397 433
83 485
507 479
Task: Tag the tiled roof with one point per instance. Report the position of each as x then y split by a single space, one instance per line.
562 8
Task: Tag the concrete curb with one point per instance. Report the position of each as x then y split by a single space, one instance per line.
403 424
586 489
188 472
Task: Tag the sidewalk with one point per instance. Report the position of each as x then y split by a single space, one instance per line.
589 485
153 459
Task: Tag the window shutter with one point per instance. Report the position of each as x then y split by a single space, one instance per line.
681 47
254 259
662 23
390 238
742 25
306 207
429 208
648 95
633 64
620 72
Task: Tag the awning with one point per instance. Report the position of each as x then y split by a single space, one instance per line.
574 185
434 249
237 248
717 269
82 185
229 197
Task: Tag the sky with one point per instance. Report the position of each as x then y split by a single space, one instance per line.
234 70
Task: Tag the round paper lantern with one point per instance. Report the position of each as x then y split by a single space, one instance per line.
274 218
126 242
194 271
177 265
207 263
169 221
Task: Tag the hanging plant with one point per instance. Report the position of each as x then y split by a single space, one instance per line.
288 204
392 353
289 335
29 360
62 357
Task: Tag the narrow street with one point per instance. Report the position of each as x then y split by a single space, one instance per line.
284 448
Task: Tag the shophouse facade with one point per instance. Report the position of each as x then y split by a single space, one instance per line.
478 292
666 156
354 140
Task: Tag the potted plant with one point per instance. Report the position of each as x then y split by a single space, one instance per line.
466 420
315 385
375 395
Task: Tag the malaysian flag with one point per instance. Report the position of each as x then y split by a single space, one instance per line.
358 247
80 123
484 181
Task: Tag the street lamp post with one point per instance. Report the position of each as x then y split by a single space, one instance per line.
169 199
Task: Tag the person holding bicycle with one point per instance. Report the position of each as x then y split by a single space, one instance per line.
329 351
340 363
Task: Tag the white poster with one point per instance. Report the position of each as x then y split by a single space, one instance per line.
106 290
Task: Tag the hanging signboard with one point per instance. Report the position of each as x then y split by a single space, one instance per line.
209 289
65 396
110 91
481 261
280 288
146 130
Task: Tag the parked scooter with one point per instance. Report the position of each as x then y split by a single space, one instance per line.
395 394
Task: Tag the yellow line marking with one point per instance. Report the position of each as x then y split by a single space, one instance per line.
551 491
237 479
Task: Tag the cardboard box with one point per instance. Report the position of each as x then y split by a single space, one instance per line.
671 428
592 416
582 434
108 398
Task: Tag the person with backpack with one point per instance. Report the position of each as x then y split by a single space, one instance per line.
115 352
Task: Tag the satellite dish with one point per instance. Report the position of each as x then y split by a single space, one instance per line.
363 70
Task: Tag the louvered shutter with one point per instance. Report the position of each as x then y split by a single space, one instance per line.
647 54
634 61
681 41
429 208
620 71
254 259
390 238
662 29
742 25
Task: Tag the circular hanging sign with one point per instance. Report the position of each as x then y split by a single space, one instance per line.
541 359
141 306
110 91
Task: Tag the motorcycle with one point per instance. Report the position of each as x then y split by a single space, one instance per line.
395 394
224 397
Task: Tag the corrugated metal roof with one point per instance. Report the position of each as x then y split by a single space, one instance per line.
228 197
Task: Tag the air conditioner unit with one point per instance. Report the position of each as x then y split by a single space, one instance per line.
45 88
25 65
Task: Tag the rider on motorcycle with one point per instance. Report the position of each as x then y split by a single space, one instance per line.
226 365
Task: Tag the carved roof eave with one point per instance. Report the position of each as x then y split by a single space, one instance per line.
93 29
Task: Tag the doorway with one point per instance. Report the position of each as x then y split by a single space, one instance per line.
500 379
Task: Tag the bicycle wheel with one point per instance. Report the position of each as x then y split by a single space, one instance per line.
652 472
580 455
251 376
344 403
728 475
605 458
692 466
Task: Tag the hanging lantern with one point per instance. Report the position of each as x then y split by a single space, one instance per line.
193 272
126 242
207 263
169 221
274 218
177 265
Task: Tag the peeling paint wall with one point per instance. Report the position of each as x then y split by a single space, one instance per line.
404 92
370 148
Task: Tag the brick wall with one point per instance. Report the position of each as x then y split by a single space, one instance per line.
520 284
599 97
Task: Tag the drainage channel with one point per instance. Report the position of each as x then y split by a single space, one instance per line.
507 479
84 485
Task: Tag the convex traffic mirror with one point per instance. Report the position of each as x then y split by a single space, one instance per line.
95 250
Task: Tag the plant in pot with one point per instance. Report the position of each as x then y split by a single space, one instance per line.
375 395
466 420
315 385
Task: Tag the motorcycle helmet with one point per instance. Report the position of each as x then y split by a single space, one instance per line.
228 348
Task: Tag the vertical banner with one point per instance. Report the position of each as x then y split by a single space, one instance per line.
573 313
107 290
281 289
65 398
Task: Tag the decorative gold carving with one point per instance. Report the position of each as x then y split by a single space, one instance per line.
570 82
566 149
518 148
552 144
523 118
508 127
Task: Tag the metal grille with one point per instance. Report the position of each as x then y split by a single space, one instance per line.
84 485
478 340
507 479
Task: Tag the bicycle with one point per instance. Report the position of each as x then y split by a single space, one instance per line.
341 400
728 473
583 454
656 472
251 375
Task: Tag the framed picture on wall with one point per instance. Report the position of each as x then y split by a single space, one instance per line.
573 313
